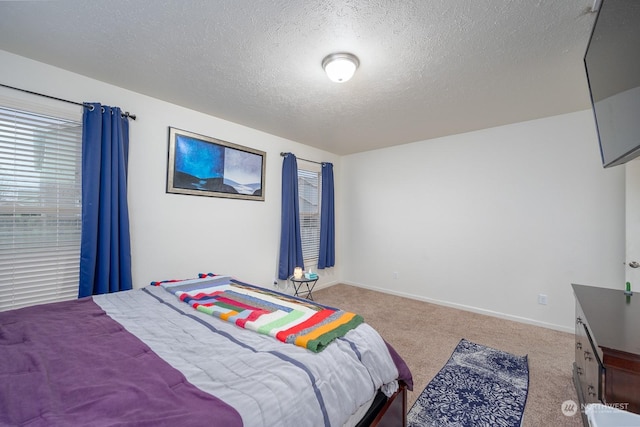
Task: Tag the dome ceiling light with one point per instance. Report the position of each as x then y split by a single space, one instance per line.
340 67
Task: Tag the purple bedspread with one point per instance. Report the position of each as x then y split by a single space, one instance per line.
66 372
404 373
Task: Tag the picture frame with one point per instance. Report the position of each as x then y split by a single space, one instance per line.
200 165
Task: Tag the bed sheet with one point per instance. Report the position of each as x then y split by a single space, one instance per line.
267 382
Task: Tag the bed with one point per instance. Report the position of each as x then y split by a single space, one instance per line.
162 356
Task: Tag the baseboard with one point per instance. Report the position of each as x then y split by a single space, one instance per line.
463 307
325 285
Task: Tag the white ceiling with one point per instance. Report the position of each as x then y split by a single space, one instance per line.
428 68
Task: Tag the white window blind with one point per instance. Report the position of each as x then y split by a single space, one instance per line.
40 207
309 190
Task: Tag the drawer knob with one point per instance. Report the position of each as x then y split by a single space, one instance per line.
579 370
587 355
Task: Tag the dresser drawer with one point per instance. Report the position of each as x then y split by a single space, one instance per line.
588 363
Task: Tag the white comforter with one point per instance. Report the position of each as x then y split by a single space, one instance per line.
269 383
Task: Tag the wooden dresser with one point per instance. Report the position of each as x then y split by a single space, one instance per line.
607 365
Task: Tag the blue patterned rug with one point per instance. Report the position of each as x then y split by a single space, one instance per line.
478 386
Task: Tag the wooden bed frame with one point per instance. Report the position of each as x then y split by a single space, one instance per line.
387 412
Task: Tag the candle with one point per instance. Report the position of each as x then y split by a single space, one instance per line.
297 273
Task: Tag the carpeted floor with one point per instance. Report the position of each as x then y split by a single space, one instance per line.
426 334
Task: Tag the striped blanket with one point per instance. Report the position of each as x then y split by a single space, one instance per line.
288 319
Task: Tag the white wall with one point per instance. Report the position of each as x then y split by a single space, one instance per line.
487 220
177 236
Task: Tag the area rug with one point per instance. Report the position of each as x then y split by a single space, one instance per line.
478 386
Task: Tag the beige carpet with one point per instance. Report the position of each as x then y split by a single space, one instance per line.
426 334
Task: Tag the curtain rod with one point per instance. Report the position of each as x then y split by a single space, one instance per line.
283 154
126 113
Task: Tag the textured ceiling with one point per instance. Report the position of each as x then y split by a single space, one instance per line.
427 68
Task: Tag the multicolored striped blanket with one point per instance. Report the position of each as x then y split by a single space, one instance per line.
288 319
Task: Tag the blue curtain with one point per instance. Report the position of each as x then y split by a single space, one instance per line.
105 254
290 239
327 255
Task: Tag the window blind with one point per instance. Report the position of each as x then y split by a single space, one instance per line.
40 207
309 190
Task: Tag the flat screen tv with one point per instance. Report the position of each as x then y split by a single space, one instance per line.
612 61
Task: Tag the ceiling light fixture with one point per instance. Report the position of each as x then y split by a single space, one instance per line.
340 67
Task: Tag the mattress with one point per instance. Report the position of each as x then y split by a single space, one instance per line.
145 357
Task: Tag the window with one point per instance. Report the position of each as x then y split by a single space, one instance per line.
309 190
40 207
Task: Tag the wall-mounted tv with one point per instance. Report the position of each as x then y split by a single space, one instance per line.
612 61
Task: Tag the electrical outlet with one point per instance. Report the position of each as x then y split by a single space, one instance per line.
542 299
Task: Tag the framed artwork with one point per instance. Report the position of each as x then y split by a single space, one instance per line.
203 166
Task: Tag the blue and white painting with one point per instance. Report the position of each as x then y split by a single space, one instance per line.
243 171
203 166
